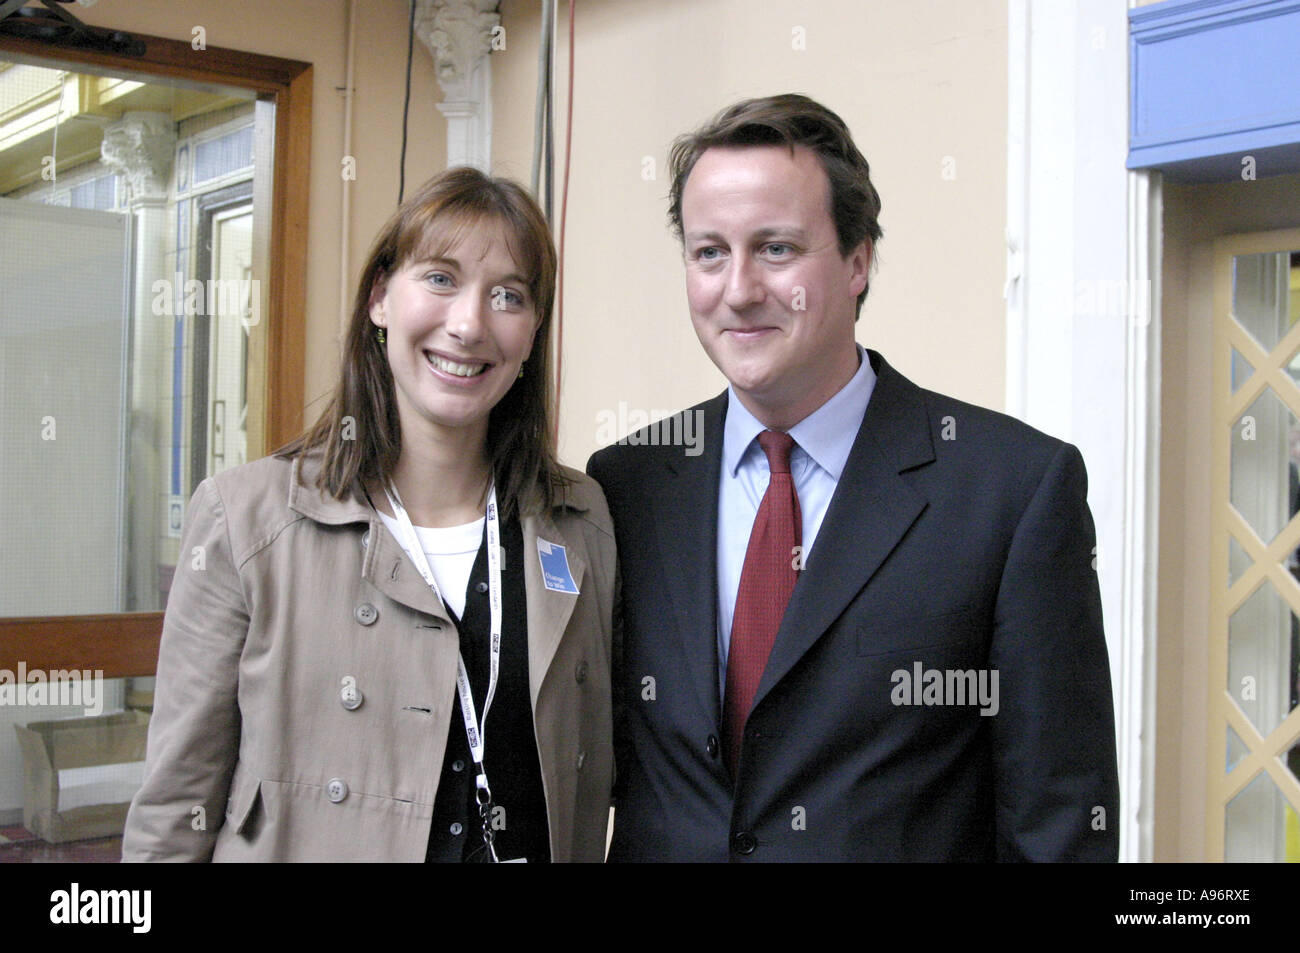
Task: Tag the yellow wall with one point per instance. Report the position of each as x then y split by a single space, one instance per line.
915 81
315 31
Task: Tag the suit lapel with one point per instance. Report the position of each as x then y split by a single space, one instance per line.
548 610
686 518
871 510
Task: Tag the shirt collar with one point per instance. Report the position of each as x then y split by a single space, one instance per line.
826 435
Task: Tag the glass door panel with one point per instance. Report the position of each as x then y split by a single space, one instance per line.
1255 602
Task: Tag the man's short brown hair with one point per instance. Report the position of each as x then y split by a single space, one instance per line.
793 120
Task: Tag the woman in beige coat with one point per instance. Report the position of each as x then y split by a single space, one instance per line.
349 612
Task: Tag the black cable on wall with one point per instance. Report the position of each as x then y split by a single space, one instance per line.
406 105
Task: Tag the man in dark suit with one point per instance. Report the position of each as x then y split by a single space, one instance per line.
862 622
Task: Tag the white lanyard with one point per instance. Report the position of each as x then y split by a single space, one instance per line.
475 730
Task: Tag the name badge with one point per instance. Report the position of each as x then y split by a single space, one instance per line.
555 567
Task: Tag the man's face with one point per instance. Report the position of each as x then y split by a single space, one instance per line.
772 299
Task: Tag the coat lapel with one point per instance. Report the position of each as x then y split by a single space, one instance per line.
873 506
385 565
548 609
686 516
390 570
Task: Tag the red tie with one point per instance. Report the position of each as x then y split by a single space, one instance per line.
766 581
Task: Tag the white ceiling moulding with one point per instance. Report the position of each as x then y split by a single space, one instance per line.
459 35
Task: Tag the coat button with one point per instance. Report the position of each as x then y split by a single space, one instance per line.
458 766
580 673
711 746
365 539
351 697
336 790
455 828
743 842
582 757
366 614
481 587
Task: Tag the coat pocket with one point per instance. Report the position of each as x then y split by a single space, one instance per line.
958 630
245 795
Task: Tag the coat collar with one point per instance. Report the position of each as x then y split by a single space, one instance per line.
307 499
384 564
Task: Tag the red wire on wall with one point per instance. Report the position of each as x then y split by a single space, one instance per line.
564 221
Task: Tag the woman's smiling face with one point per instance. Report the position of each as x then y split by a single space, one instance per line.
459 327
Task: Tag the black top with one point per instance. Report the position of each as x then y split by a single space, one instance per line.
510 757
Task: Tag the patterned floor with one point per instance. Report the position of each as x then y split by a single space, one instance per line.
19 846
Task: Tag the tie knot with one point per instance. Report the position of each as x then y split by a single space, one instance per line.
777 446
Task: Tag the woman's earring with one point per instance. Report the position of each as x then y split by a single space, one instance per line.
382 337
521 372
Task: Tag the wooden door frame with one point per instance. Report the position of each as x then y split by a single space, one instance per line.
1267 555
126 644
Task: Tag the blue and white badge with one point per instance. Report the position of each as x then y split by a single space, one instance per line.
555 567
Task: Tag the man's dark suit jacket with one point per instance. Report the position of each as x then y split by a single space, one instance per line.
958 538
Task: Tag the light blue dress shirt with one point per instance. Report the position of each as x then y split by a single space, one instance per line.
823 440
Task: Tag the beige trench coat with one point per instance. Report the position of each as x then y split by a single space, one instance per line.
282 599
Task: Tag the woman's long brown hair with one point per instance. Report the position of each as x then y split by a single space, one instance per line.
359 435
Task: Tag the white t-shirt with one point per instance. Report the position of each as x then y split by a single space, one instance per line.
451 551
